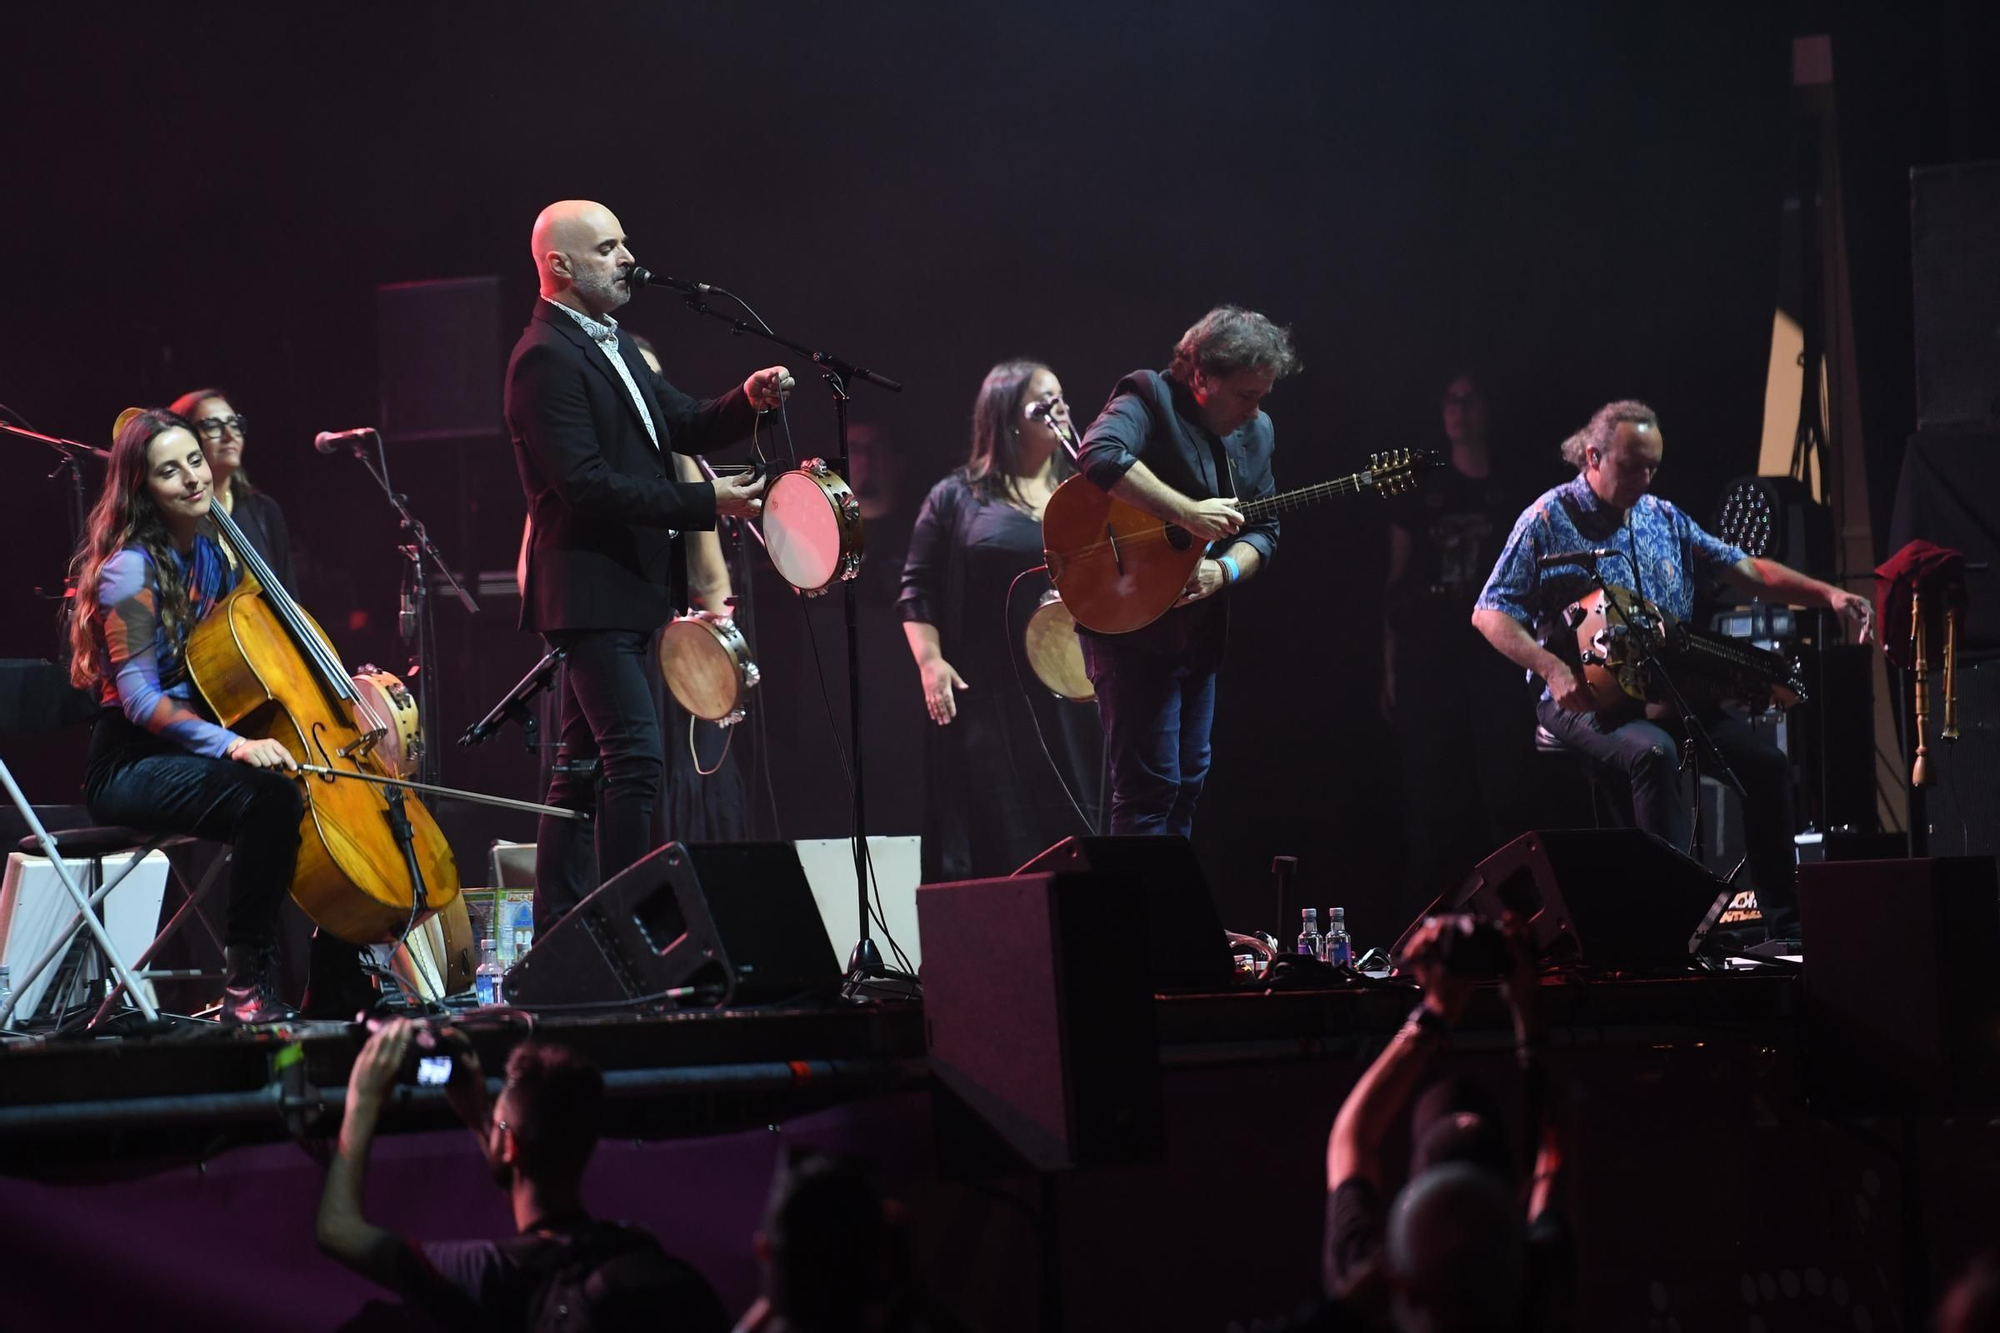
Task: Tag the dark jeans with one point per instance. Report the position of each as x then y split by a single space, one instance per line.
608 715
136 779
1156 710
1647 755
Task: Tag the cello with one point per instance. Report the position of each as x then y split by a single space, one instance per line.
372 863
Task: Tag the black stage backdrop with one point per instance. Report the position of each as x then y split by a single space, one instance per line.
1580 204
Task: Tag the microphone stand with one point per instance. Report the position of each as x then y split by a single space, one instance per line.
515 704
865 960
73 453
416 619
1700 745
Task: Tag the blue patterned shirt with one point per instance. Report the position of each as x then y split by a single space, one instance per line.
1670 549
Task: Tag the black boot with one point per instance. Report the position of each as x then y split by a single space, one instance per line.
336 987
250 990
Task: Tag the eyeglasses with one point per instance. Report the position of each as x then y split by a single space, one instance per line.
214 428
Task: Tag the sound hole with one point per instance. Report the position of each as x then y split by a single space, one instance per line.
1179 538
660 919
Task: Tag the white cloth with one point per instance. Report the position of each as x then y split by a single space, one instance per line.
604 332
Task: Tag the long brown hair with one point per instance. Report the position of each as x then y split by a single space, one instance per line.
996 432
125 516
186 406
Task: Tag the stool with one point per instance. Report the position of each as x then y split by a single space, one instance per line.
94 845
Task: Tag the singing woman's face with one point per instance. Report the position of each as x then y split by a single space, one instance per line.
177 477
1038 439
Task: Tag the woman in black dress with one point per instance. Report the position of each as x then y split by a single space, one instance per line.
994 797
223 432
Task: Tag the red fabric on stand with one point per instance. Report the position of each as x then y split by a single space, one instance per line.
1934 569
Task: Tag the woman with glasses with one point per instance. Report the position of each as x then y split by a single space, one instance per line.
1002 753
221 430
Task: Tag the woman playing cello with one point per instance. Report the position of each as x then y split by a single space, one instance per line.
150 570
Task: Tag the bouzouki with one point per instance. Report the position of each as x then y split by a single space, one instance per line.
1120 568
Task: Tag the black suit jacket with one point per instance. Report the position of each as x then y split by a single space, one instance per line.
601 498
1156 418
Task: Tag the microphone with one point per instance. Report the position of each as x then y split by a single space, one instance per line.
329 441
1586 557
645 277
1041 408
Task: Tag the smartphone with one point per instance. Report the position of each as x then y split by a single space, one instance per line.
433 1071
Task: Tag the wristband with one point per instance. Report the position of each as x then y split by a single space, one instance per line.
1230 573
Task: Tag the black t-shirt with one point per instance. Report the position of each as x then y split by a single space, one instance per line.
583 1275
1357 1225
1458 525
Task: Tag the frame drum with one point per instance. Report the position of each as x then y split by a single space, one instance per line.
812 528
1054 654
706 663
391 701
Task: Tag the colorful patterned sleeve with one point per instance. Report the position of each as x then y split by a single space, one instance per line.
1514 585
1708 555
129 623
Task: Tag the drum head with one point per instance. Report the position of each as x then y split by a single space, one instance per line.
699 671
802 531
1056 654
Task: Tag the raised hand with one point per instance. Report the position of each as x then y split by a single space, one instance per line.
769 387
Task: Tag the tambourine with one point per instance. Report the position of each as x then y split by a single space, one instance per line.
812 528
706 663
390 701
1054 653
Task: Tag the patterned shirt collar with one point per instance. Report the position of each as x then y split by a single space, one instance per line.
1585 499
597 330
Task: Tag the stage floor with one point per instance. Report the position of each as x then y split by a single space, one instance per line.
80 1106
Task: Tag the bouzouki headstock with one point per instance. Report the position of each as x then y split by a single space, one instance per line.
1398 470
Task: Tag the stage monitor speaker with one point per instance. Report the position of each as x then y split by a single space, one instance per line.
735 916
439 363
1615 899
1040 1022
1955 282
1185 943
1901 1009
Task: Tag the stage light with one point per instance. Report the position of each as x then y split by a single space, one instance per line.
1778 519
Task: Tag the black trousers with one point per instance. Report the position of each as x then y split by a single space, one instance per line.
608 715
137 779
1647 755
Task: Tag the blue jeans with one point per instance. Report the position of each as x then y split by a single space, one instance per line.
1156 711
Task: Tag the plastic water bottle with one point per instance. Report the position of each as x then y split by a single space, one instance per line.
1339 948
1309 937
486 981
